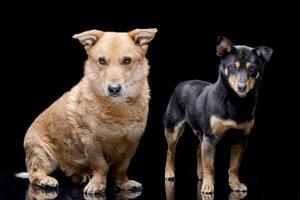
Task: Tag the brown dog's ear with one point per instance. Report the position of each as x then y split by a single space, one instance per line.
263 52
142 36
88 38
224 47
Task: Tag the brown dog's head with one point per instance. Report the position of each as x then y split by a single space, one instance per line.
116 64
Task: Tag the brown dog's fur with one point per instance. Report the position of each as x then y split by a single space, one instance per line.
86 131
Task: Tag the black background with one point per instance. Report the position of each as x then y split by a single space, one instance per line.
40 61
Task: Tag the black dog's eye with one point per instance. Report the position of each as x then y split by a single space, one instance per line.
252 69
102 61
126 60
232 67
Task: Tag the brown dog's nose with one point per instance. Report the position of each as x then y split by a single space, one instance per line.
114 89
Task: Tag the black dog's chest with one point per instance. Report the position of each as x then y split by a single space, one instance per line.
239 112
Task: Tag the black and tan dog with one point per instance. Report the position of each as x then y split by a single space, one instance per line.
212 110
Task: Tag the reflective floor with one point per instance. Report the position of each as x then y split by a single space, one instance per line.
154 187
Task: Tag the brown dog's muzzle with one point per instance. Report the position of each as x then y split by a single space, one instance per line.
114 89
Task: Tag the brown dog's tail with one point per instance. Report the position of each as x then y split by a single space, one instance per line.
22 175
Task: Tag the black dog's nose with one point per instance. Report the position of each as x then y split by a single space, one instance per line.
242 87
114 90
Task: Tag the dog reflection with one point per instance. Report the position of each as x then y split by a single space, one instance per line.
126 195
37 193
232 196
237 195
122 195
94 196
170 190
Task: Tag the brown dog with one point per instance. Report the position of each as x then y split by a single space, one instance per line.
99 122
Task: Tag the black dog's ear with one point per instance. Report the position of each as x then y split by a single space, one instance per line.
224 46
263 52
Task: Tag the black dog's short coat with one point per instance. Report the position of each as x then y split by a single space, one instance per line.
212 110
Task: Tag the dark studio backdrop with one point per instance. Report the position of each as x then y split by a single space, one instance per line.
40 61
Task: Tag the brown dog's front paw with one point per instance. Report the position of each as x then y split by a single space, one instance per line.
47 181
207 187
94 188
237 186
169 175
130 185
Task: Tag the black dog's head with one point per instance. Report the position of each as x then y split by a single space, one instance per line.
242 65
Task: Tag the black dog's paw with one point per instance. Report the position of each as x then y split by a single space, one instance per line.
169 175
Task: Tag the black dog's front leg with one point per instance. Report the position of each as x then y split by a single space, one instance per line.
235 160
208 155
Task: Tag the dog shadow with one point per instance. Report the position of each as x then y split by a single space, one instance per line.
170 190
37 193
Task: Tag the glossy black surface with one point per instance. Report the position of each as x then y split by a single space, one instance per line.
154 187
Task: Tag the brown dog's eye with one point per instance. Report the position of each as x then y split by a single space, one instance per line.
102 61
126 60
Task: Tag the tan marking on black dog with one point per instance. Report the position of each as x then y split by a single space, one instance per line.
172 139
220 126
250 82
237 64
233 81
248 65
